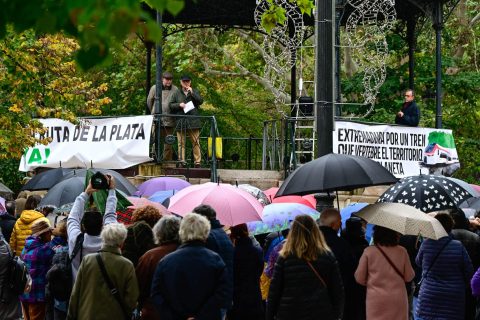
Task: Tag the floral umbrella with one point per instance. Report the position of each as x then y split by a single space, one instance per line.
277 217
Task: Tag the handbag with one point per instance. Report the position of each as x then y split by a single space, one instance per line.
113 290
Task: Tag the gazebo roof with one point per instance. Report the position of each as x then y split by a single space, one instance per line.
241 12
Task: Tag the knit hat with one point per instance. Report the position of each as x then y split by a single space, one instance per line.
39 227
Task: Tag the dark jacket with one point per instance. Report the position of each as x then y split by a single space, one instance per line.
442 293
139 240
8 300
247 267
190 282
471 242
7 222
356 294
219 242
297 293
343 253
411 115
178 97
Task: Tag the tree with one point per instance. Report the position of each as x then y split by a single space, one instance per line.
39 79
97 25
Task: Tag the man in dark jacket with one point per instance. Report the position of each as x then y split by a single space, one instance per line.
330 222
219 242
410 114
191 282
7 220
181 103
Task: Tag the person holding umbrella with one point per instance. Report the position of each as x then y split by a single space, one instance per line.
384 268
446 272
306 281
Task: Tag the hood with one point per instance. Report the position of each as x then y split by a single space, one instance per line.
28 216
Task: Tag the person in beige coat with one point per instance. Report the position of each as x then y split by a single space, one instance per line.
384 268
91 297
23 227
167 123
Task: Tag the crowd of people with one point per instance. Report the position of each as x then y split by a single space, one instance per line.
167 267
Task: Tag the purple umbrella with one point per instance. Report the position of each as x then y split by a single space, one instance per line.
2 205
151 186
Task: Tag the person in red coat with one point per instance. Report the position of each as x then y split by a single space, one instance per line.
165 232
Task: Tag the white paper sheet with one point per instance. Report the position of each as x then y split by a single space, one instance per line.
188 107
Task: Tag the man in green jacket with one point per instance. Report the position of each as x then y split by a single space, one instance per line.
91 297
187 101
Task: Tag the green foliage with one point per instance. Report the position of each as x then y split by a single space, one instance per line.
9 174
276 15
98 25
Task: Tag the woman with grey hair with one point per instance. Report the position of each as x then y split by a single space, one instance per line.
91 294
191 283
166 236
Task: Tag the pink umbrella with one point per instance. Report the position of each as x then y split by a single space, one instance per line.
142 202
293 199
233 205
477 188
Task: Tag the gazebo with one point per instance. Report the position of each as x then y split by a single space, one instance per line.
329 14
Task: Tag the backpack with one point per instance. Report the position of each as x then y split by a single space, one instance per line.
18 277
60 277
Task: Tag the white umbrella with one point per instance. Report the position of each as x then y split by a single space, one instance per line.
403 219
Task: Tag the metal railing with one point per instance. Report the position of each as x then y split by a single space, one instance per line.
236 152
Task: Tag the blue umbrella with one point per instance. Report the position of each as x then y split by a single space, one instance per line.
347 213
277 217
161 196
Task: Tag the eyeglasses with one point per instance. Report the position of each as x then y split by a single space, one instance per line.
408 95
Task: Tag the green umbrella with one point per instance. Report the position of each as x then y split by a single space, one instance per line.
100 197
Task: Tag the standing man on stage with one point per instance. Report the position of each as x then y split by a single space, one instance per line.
410 114
187 101
167 123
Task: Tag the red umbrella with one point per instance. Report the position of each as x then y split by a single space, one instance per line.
294 199
270 193
233 205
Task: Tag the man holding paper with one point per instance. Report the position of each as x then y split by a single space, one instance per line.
186 101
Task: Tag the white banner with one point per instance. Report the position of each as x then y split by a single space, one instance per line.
404 151
111 143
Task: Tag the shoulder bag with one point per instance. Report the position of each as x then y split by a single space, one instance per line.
317 274
113 290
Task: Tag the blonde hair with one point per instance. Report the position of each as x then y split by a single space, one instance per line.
305 240
194 227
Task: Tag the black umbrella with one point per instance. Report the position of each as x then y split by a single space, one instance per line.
64 192
333 172
121 182
426 192
47 179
